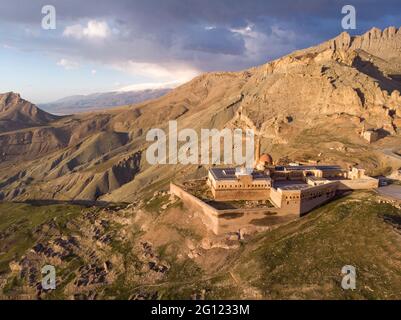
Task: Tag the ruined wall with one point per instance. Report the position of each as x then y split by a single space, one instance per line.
333 174
208 213
234 220
224 221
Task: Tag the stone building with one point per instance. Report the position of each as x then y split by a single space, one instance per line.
230 184
370 136
294 189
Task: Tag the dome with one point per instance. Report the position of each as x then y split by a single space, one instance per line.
266 159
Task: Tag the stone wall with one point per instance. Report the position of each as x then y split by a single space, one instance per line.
235 220
241 194
275 197
325 193
358 184
209 215
232 220
289 204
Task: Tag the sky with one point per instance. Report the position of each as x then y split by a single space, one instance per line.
103 45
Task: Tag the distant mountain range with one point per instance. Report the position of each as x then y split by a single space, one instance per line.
96 101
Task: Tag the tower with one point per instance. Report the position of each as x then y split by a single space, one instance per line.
257 150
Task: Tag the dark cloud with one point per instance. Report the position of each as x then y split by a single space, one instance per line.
207 34
213 40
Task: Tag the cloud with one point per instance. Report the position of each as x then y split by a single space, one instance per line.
94 72
93 30
6 46
259 43
215 40
151 85
67 64
169 72
174 40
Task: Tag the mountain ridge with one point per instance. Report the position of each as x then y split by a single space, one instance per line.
17 113
101 100
312 104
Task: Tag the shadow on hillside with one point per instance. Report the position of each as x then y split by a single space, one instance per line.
389 84
393 220
84 203
396 77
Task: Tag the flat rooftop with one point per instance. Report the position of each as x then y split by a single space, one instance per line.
291 185
229 174
312 178
302 168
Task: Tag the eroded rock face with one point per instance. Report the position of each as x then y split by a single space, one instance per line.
344 76
385 44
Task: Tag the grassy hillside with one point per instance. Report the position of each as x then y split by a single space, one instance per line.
304 259
156 250
19 223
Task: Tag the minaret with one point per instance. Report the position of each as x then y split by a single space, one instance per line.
257 151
